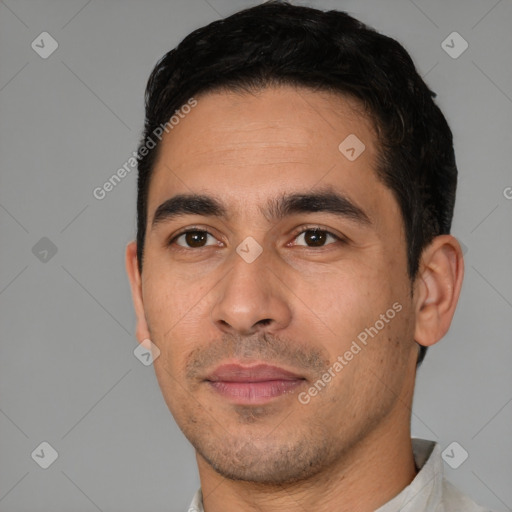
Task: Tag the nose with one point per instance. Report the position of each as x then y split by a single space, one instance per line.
251 298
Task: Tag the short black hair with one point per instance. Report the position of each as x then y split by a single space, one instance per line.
276 43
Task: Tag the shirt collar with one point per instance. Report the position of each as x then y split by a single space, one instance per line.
423 493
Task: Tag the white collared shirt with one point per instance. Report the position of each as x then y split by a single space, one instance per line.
428 492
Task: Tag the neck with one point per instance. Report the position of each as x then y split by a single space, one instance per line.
374 471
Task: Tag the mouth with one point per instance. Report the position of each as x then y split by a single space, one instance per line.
254 384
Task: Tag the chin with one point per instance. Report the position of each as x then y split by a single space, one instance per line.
277 464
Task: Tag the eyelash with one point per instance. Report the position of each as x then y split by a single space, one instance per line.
300 231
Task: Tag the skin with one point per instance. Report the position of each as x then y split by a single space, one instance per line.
296 306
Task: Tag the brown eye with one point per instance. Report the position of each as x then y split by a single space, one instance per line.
315 237
194 239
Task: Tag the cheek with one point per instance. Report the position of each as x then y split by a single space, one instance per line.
174 322
170 300
343 300
357 305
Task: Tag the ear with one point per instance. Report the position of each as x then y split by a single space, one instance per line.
437 288
132 269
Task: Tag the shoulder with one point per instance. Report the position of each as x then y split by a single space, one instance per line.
455 500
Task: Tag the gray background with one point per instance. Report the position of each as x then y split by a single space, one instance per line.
68 375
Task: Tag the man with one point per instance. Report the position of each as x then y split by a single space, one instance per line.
293 261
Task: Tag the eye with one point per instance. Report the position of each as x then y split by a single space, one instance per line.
315 237
193 239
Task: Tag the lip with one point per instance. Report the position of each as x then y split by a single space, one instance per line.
255 384
254 373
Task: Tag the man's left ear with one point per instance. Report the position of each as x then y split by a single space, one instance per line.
437 288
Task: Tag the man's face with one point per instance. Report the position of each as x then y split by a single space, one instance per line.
252 288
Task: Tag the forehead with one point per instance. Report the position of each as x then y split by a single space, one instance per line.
280 120
279 139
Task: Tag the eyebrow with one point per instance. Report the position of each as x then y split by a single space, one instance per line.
327 201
